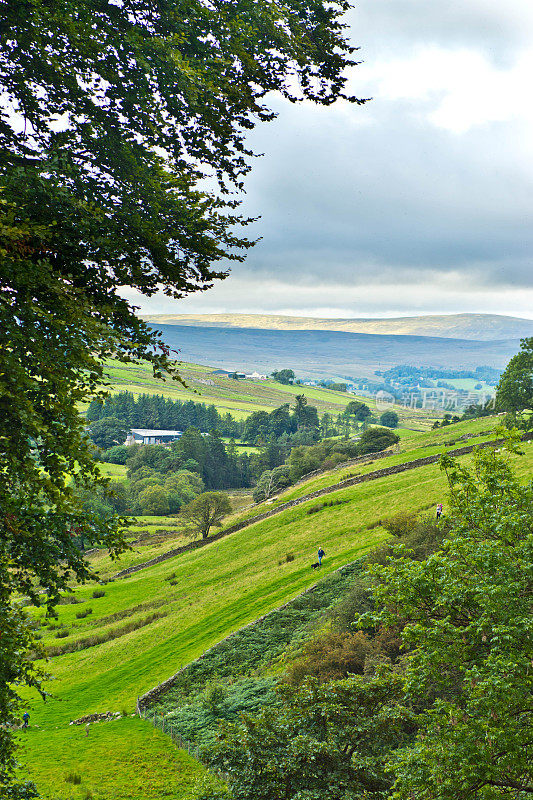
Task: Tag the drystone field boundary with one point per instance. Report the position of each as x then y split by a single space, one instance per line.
369 476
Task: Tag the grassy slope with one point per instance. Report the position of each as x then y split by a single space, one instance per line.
117 761
413 446
240 398
220 588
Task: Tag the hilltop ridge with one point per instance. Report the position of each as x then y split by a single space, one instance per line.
485 327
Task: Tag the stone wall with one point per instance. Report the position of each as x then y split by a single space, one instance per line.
370 476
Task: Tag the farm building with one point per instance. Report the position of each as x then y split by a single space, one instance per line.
149 436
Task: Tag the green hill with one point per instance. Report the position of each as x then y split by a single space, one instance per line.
240 398
148 625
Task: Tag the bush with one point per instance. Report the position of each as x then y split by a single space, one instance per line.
331 656
401 524
84 613
62 633
154 501
116 455
373 440
390 419
98 593
73 777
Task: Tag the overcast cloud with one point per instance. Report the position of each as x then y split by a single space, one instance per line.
419 201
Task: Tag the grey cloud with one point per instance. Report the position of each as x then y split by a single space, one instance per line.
396 194
499 28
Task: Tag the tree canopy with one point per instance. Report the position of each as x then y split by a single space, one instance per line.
112 116
515 389
466 612
206 510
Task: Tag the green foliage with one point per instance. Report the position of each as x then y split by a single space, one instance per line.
156 411
117 455
206 510
515 389
467 616
285 376
373 440
389 419
154 500
324 742
271 482
107 432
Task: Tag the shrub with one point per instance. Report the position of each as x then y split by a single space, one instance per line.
170 577
390 419
117 455
154 501
290 557
69 599
98 593
73 777
401 524
373 440
62 633
84 613
326 504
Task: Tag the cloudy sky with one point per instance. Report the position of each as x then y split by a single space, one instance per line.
418 202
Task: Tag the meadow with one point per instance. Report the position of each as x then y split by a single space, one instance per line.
143 628
240 398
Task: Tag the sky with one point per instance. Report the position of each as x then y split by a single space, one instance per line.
419 201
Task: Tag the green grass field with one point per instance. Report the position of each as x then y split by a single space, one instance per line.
241 397
156 625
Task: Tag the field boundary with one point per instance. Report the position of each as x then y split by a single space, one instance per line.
145 701
369 476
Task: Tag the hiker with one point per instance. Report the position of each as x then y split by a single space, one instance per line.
26 719
439 510
87 728
321 554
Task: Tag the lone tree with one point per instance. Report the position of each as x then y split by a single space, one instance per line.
206 510
285 376
113 114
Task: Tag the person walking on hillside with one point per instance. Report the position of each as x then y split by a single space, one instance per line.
321 554
25 719
439 510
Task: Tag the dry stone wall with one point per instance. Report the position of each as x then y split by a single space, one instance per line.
370 476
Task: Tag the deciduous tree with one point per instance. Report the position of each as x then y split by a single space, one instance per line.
112 113
206 510
467 614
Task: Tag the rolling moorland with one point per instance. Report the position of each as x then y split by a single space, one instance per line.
329 354
122 638
484 327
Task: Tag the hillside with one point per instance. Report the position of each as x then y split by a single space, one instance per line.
240 398
331 354
143 628
484 327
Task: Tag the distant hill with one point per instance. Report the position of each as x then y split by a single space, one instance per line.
319 353
482 327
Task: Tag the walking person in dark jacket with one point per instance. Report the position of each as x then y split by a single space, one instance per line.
321 554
